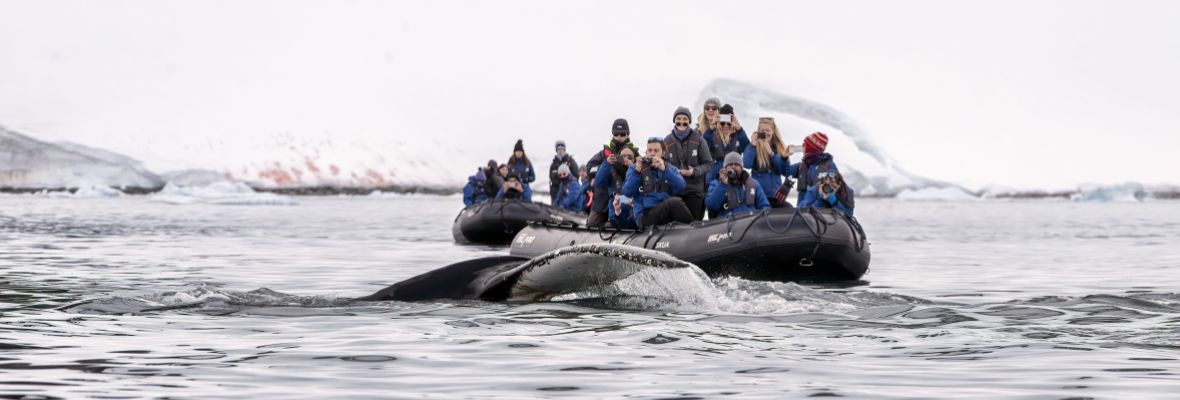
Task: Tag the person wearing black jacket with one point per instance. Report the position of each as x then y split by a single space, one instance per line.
620 137
689 153
561 158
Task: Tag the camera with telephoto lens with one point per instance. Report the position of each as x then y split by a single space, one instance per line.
731 175
826 188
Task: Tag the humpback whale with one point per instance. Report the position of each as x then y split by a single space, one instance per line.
519 279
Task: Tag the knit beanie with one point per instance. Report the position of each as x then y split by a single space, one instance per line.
815 143
733 158
682 110
563 169
713 101
519 145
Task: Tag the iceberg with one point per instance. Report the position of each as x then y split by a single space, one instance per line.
865 165
32 164
222 193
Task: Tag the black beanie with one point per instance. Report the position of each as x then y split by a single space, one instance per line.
620 126
682 110
726 109
519 145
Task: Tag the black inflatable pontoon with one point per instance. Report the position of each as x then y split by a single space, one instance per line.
799 245
498 221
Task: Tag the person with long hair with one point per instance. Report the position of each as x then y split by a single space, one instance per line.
604 160
609 182
829 192
520 166
709 116
767 156
725 136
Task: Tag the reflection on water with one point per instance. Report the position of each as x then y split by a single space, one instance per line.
129 298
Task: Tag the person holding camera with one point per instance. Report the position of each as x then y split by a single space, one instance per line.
814 158
767 156
610 178
620 138
735 191
688 152
567 190
622 214
830 192
725 136
520 166
709 116
512 189
653 183
475 191
585 188
559 159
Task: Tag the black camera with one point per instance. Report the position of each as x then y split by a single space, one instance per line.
646 161
731 175
826 188
761 134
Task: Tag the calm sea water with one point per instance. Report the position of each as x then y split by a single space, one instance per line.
986 300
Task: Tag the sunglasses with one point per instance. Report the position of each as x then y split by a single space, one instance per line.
622 134
726 124
826 174
710 108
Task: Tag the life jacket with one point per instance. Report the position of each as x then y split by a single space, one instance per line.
760 169
732 193
653 182
684 153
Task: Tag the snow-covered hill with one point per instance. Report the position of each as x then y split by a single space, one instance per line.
30 163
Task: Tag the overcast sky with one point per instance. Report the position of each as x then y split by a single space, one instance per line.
1025 93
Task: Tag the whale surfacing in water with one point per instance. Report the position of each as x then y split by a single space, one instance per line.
517 279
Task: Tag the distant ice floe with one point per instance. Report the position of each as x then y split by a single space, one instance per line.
1129 192
29 163
225 193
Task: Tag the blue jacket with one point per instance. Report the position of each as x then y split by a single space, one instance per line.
585 187
738 142
474 192
626 220
606 179
719 194
769 179
648 200
567 194
811 199
804 184
523 171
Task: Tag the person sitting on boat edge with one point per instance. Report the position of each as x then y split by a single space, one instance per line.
653 183
830 192
620 138
561 157
520 166
512 189
725 136
610 179
735 191
475 191
585 188
688 152
567 190
814 157
622 213
767 158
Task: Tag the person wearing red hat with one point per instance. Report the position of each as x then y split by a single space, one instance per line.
814 157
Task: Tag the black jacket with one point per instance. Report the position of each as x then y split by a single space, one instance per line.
692 152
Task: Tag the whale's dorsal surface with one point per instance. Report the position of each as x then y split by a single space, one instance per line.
505 278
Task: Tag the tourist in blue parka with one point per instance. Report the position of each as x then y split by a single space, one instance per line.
567 190
513 189
475 191
735 191
725 135
621 213
653 183
520 166
766 157
610 177
830 192
815 159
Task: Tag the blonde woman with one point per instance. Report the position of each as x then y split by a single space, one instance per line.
766 157
727 136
